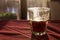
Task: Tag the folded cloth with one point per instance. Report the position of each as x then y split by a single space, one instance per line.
23 28
54 29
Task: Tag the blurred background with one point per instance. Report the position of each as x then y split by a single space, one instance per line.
15 9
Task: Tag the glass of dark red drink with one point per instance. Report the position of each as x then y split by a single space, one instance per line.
38 17
39 28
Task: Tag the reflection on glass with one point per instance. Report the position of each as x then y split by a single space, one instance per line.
38 14
9 9
39 17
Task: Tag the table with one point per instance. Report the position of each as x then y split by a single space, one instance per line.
21 30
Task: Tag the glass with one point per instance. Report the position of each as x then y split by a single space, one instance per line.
38 17
9 9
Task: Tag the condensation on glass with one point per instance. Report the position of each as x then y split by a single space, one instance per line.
38 14
36 4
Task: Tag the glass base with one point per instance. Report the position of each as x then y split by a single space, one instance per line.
39 34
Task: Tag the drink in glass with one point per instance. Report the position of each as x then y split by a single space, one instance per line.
38 17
